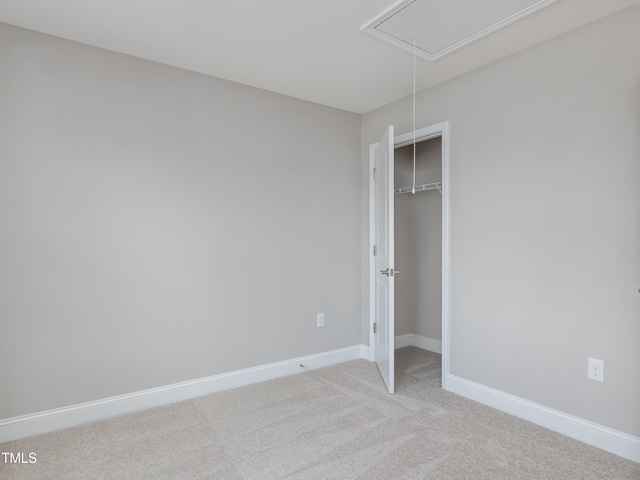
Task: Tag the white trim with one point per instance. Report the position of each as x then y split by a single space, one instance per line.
56 419
446 252
614 441
371 27
438 130
372 259
365 353
413 340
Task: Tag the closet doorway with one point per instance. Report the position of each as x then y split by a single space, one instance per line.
417 226
418 256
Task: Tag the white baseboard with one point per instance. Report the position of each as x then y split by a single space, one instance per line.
413 340
59 418
365 353
614 441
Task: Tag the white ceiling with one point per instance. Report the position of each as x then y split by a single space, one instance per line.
312 50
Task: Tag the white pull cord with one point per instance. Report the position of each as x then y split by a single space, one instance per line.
413 185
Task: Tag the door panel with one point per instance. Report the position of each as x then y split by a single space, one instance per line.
384 260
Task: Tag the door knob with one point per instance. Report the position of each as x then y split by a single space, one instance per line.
390 272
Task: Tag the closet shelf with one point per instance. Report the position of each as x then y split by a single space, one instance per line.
420 188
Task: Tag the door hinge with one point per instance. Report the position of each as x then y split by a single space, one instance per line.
375 172
375 327
375 251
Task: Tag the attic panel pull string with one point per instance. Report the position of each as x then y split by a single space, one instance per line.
413 184
427 186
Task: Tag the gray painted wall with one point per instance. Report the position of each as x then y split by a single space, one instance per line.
418 243
157 225
545 219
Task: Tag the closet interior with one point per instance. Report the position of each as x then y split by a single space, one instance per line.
418 245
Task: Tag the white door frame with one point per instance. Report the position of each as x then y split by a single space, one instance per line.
426 133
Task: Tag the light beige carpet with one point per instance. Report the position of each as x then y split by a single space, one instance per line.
334 423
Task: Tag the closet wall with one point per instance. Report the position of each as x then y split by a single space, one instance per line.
418 242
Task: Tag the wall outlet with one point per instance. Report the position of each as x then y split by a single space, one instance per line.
595 370
320 320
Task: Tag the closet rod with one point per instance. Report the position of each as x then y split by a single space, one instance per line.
419 188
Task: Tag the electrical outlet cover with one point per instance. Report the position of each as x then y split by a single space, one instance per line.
595 370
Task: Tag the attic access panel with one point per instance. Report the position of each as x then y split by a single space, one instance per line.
442 26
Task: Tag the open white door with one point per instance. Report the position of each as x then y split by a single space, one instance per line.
384 258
